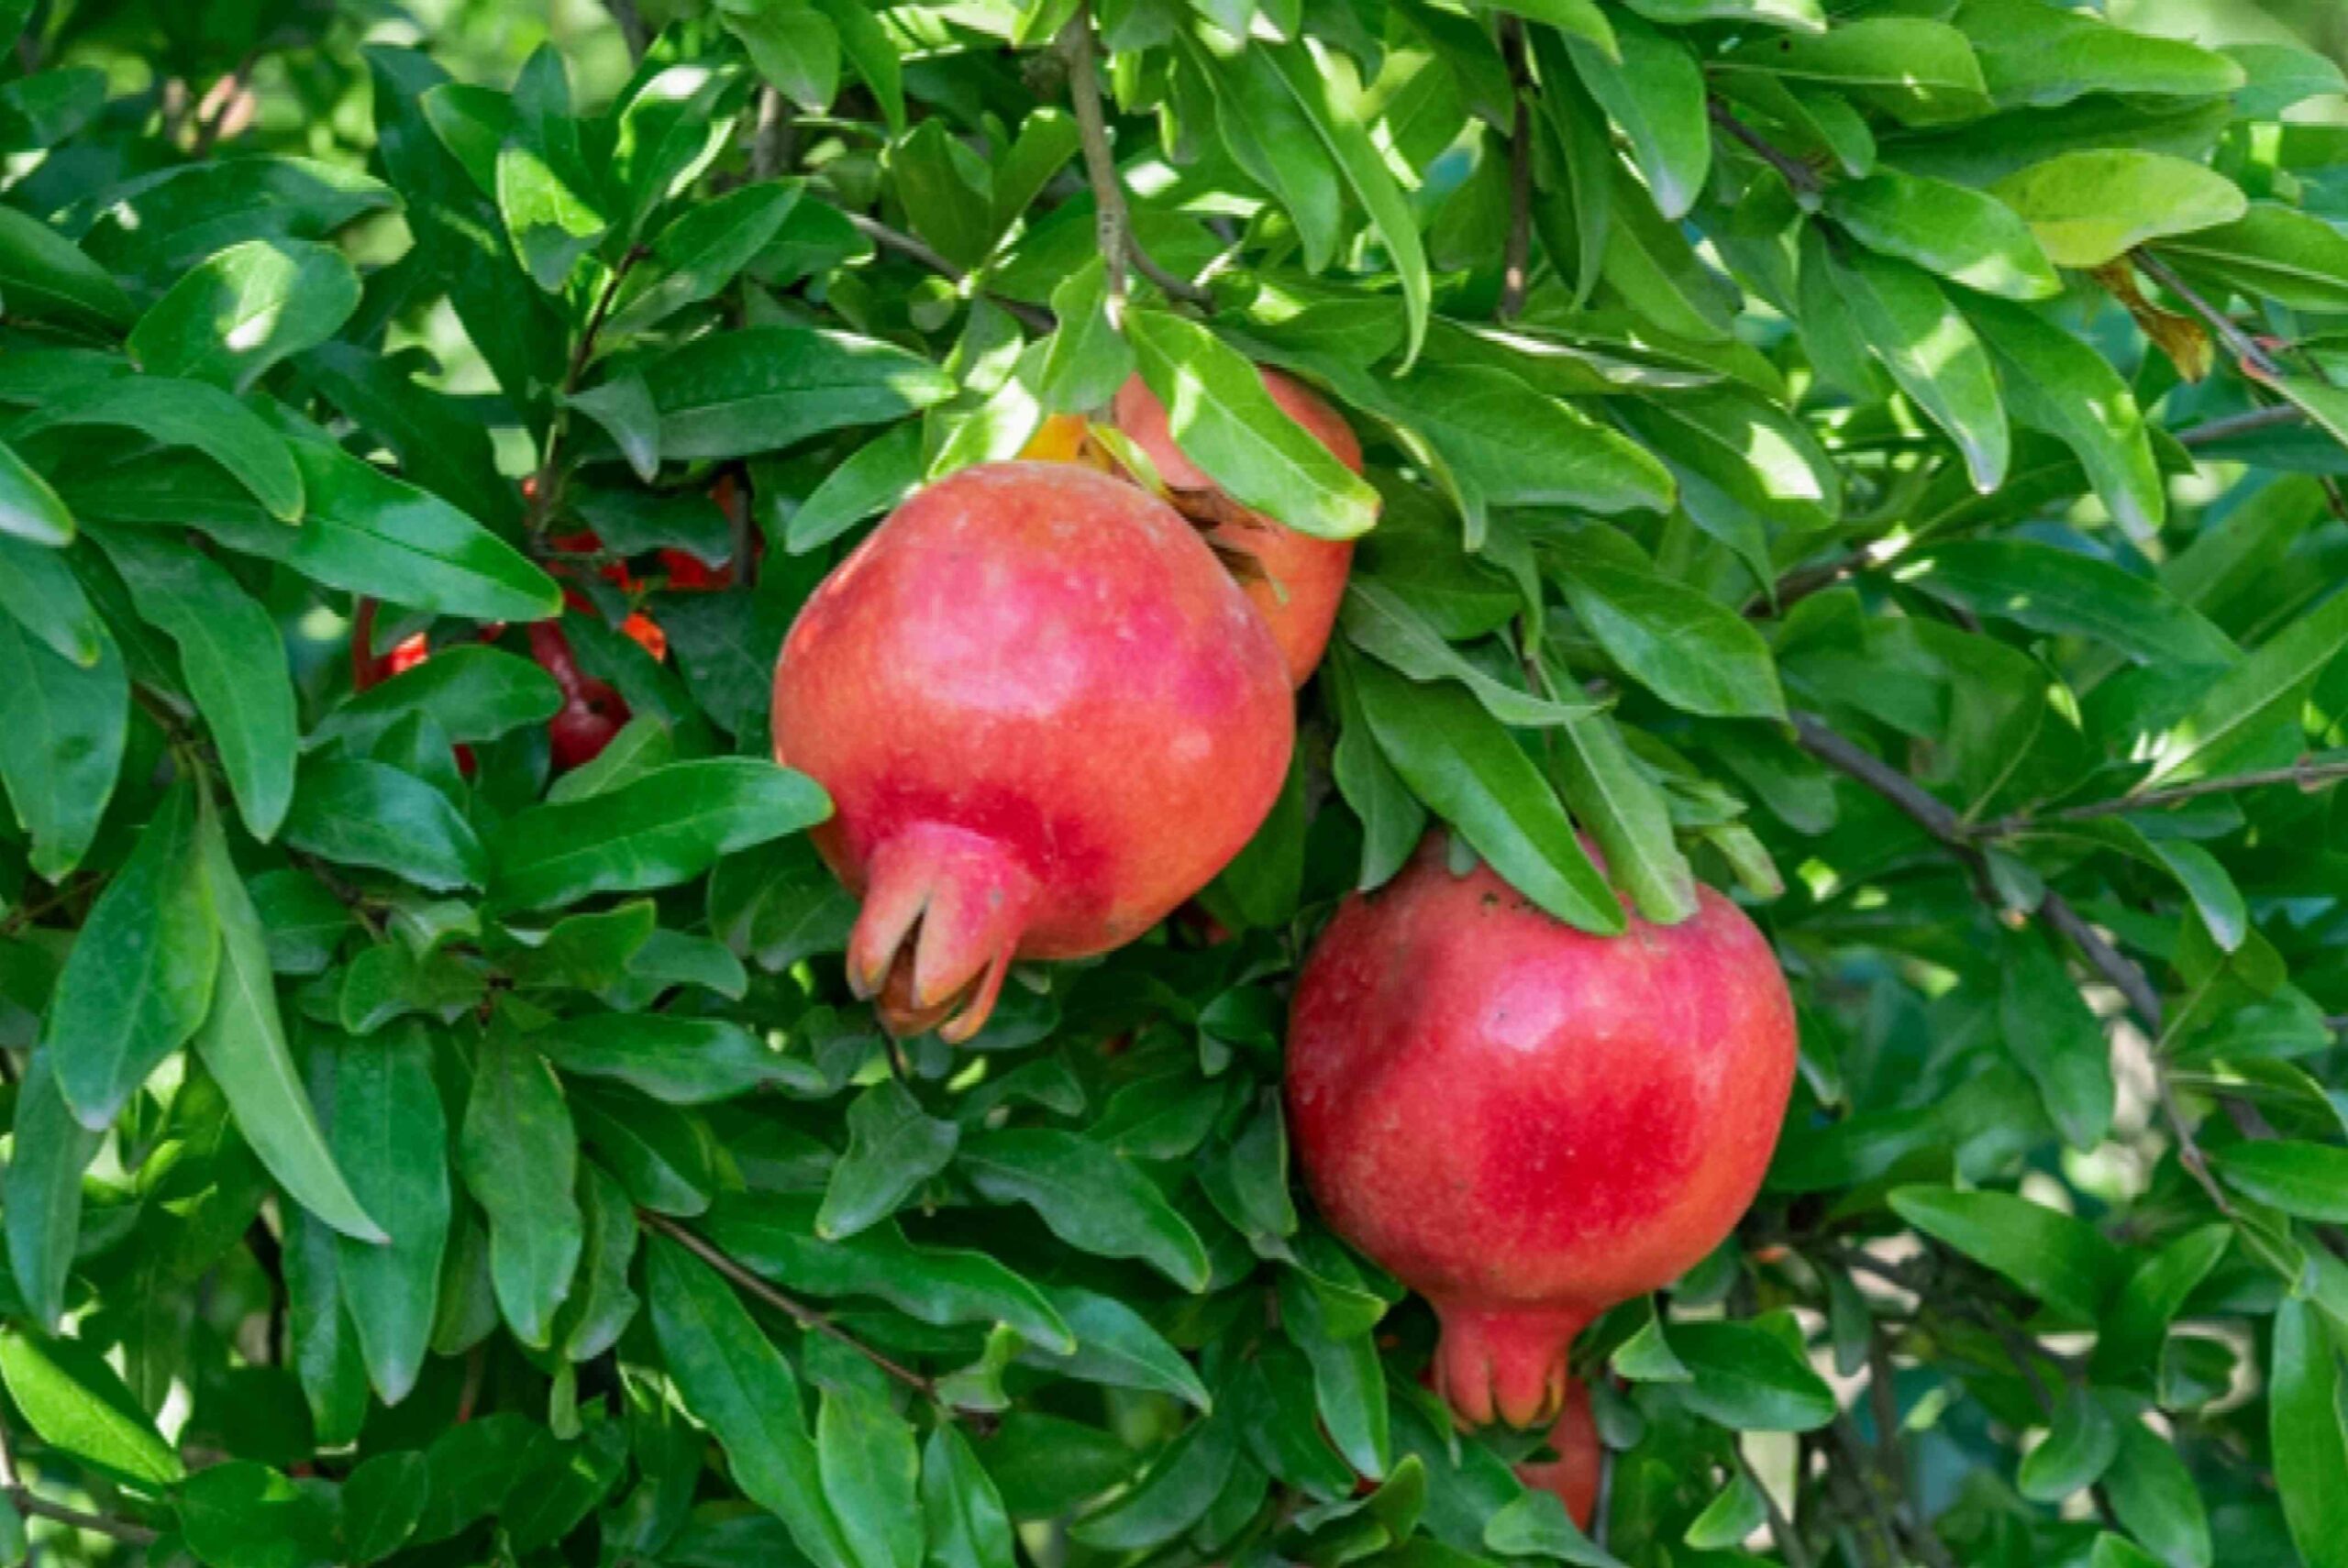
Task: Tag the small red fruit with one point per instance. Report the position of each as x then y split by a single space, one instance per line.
1528 1124
1302 579
592 712
1574 1476
1046 716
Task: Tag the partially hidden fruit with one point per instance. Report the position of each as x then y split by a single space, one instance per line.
1526 1123
1572 1477
1046 715
592 712
1295 580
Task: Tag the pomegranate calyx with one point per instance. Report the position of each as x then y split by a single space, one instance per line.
941 922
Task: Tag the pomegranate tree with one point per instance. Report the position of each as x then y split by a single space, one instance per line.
1046 716
1526 1123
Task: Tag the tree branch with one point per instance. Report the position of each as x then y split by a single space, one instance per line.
130 1534
633 32
1805 181
1781 1529
799 1312
1112 221
2244 347
1516 259
1034 317
2309 773
2234 424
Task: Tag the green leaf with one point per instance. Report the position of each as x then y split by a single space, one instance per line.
622 406
552 223
475 694
2063 592
242 1043
1116 1346
2261 689
2133 1332
40 593
700 251
2062 1261
1089 1197
175 412
440 445
2153 1496
1728 1518
1744 1376
2055 1035
666 826
2272 252
2279 75
234 658
240 1514
2308 1181
357 812
966 1523
1348 1380
160 225
2091 207
1688 649
1383 624
664 1156
1086 359
794 46
1926 343
391 1137
1268 134
1181 1484
243 310
140 980
47 277
2305 1434
1223 420
1627 813
871 1474
1650 85
685 1061
875 478
1536 1524
873 53
382 1501
733 1379
77 1403
600 1306
42 1195
1960 234
893 1148
68 724
1325 88
735 394
519 1155
1919 72
776 1235
2042 55
1471 772
2078 1448
29 510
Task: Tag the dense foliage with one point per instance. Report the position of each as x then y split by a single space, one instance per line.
1877 455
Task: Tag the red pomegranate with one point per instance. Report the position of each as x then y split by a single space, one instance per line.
592 712
1525 1123
1574 1476
1046 716
1302 579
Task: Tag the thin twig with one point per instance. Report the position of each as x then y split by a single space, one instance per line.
1111 222
2306 773
130 1534
771 136
1928 810
799 1312
1516 260
1805 181
2232 425
633 32
2245 347
542 486
1034 317
1781 1529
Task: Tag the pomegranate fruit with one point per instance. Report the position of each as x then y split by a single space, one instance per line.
1046 716
1574 1476
1298 580
592 712
1526 1123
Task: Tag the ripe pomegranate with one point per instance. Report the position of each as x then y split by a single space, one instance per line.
1300 579
1046 716
1526 1123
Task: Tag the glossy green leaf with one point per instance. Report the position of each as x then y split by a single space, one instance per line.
391 1137
1090 1199
2308 1440
871 1471
243 310
2062 1261
2089 209
178 413
357 812
893 1148
77 1403
735 394
1959 234
1933 354
519 1156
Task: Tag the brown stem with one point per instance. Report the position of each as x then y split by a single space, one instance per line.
2245 423
633 32
1804 180
1516 260
582 353
1111 222
94 1524
770 139
2245 347
1034 317
2306 773
799 1312
1781 1529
